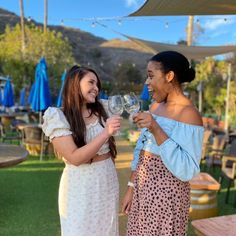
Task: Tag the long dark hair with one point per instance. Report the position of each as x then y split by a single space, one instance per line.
73 102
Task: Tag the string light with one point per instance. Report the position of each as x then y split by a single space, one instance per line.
120 19
93 24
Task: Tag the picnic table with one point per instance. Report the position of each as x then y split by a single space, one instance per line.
11 155
217 226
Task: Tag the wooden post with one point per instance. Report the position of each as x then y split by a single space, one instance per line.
190 31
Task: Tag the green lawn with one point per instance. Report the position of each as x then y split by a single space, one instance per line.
28 199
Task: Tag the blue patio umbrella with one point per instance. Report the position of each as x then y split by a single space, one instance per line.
0 97
22 97
41 98
103 95
145 94
8 97
31 93
59 99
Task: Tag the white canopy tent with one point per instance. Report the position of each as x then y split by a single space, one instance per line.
191 52
186 7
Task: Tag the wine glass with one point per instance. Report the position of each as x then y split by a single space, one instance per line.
131 103
115 106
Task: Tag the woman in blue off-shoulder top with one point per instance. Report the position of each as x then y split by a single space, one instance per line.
167 153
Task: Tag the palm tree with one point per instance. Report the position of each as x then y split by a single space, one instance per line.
22 26
45 15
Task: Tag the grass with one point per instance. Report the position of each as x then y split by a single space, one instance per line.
28 197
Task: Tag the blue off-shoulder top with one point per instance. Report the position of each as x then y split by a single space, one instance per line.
180 153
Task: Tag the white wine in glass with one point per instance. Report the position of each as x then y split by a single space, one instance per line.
115 106
131 103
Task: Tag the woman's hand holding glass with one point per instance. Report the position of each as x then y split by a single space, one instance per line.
113 125
115 106
144 120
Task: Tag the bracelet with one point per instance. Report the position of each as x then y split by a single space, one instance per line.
130 184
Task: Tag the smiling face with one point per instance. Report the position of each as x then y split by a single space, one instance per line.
157 81
89 87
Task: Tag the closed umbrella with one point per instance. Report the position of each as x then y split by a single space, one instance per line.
41 98
145 97
31 93
0 97
145 94
59 100
8 97
22 97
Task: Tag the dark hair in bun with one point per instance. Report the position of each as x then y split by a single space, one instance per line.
176 62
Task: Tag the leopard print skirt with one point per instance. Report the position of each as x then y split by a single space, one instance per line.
161 202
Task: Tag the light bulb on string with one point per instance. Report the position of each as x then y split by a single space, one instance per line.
93 24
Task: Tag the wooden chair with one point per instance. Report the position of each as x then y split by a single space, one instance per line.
9 134
206 143
228 170
216 151
32 139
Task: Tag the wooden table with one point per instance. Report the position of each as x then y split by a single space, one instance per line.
216 226
11 155
6 118
203 196
23 125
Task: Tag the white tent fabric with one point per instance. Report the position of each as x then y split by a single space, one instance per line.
191 52
186 7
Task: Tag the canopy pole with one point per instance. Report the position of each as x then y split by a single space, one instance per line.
190 31
42 136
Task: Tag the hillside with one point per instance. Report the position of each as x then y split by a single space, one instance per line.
90 50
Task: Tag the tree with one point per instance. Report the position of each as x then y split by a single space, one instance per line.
55 49
211 73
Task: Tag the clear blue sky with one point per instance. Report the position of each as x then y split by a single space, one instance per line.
219 30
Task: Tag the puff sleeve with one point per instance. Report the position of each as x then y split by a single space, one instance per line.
55 123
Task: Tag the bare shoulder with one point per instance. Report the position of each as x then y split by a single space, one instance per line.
190 115
153 107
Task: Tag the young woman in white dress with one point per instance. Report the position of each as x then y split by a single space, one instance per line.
81 133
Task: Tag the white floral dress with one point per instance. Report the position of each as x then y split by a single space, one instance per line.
89 193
